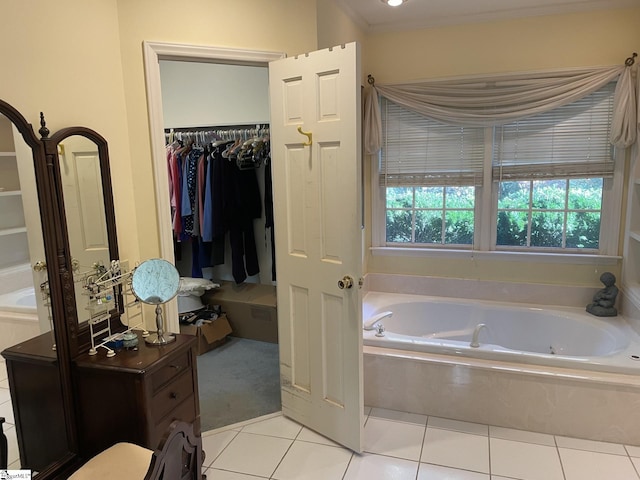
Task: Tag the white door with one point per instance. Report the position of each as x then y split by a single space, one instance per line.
317 209
84 208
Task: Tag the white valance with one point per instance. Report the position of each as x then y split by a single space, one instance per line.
499 99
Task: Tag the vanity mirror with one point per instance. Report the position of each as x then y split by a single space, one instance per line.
84 177
44 431
155 282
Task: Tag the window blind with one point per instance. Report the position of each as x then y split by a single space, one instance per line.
418 151
571 141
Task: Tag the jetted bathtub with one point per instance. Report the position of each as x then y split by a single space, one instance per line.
560 336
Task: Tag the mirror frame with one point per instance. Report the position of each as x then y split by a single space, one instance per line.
79 335
58 268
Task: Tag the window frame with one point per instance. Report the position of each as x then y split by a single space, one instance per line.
485 215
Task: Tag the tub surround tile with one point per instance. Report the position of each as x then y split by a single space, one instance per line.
546 294
400 440
265 454
376 467
583 465
533 402
396 416
312 461
522 436
458 426
591 445
525 460
455 449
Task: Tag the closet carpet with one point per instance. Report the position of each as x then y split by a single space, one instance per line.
238 381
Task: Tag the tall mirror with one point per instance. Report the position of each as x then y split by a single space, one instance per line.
82 158
41 432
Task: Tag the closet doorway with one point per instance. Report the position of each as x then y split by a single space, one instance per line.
203 89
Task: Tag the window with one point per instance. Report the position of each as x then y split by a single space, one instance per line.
429 172
542 183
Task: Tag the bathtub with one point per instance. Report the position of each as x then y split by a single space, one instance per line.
18 317
559 336
551 370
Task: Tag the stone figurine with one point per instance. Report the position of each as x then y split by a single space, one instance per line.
605 299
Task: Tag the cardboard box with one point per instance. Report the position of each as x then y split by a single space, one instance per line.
250 307
210 335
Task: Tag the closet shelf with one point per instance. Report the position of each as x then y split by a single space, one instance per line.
7 154
634 235
12 231
10 193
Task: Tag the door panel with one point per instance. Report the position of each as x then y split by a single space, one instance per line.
317 205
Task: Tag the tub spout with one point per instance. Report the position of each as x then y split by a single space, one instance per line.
476 331
370 323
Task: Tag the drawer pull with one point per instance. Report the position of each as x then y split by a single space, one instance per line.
173 395
177 367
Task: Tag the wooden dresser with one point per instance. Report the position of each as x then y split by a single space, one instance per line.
135 395
36 395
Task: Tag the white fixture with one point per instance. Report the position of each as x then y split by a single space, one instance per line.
394 3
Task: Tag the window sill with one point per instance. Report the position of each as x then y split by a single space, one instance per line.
574 259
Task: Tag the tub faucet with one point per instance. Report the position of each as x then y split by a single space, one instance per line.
370 323
476 331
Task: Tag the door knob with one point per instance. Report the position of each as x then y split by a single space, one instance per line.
346 282
40 266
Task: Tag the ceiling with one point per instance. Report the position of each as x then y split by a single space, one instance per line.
375 16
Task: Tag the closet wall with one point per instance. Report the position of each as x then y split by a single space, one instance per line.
196 95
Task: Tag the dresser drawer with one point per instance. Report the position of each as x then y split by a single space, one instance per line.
171 395
186 412
171 369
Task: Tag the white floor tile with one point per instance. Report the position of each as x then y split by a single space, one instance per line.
4 383
276 427
379 467
633 451
312 461
437 472
215 474
456 449
396 416
213 445
583 465
307 435
526 461
522 436
591 445
5 395
457 426
252 454
401 440
636 463
6 411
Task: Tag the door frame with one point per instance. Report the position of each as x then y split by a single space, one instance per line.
153 52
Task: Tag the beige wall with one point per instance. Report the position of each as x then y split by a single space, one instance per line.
277 25
63 58
42 44
598 38
335 27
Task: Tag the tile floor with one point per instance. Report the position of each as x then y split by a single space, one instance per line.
397 446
